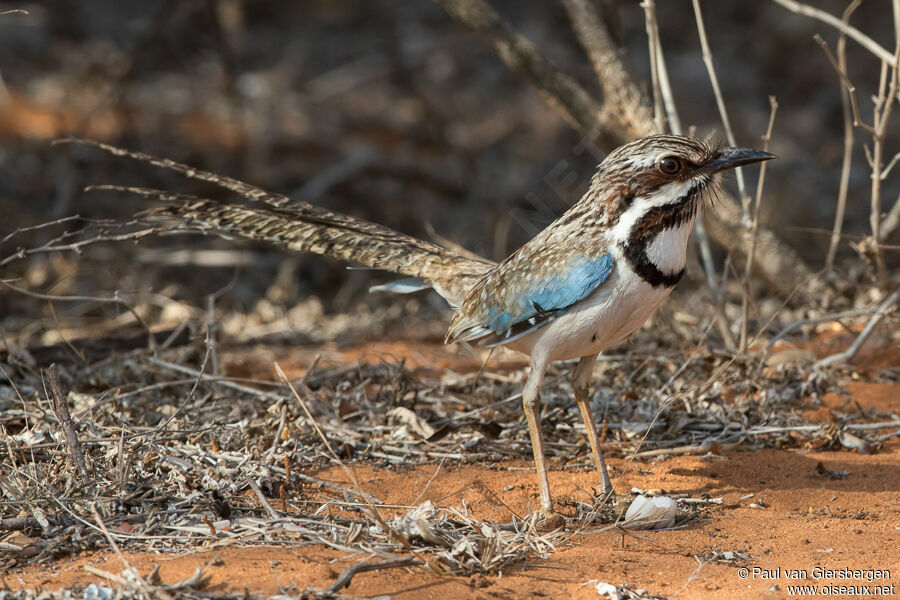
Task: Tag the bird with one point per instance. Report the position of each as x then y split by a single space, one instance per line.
583 284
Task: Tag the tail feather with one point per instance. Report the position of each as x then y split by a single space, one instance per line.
302 226
313 229
410 285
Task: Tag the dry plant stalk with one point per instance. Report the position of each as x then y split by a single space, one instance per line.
848 144
720 103
659 100
883 104
754 227
845 28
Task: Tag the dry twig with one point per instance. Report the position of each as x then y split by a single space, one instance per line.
57 398
848 354
848 144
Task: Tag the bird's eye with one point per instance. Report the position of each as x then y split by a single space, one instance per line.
670 165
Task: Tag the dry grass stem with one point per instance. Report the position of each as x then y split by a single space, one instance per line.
720 103
848 144
754 227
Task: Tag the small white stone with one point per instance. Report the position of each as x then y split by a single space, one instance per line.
657 512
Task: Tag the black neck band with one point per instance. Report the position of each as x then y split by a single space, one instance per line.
645 229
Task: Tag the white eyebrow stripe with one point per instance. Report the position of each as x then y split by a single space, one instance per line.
641 161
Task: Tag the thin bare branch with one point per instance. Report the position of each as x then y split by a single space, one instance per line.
895 4
823 319
890 166
720 103
39 227
78 246
845 28
891 221
851 89
846 162
884 105
346 576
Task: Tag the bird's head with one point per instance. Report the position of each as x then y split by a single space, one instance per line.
667 166
669 173
645 196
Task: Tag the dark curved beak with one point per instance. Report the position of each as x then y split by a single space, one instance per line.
731 157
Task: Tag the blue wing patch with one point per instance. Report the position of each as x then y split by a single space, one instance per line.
540 302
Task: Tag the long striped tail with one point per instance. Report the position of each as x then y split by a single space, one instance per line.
301 226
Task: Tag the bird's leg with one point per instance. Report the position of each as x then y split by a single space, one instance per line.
581 379
531 403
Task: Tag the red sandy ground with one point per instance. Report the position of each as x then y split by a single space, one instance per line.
809 521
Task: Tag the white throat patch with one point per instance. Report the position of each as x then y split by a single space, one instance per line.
668 250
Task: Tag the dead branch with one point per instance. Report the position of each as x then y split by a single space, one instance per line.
55 246
823 319
521 56
40 226
19 524
346 576
262 499
720 103
881 112
623 105
661 91
891 221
